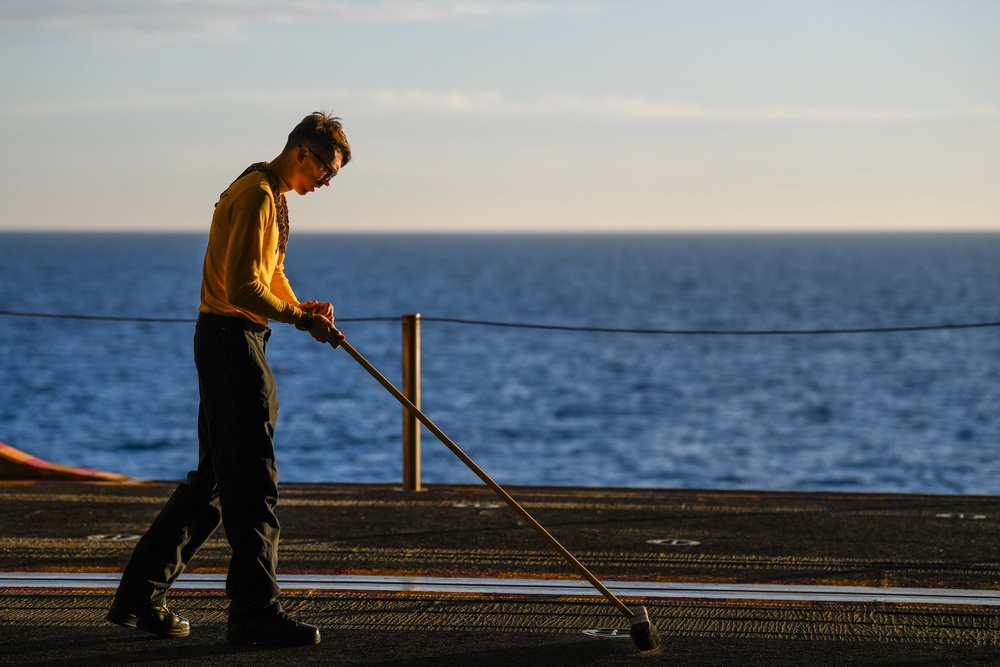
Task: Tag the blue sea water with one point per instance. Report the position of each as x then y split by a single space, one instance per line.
897 412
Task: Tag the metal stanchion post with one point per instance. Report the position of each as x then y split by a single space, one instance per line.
411 389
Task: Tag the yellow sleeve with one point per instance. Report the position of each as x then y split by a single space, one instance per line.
280 285
252 258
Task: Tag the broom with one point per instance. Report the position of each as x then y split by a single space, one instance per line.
641 630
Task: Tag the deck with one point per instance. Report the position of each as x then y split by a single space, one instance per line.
451 576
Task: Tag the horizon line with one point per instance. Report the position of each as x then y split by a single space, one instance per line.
535 232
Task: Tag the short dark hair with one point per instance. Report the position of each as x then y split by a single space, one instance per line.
322 132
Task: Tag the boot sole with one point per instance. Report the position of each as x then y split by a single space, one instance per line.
247 639
132 621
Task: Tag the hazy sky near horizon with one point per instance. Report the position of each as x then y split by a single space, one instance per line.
652 116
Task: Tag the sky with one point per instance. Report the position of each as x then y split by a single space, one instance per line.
491 116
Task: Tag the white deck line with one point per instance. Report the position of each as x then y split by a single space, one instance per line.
540 587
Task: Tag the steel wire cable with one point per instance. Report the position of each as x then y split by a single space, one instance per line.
717 332
158 320
555 327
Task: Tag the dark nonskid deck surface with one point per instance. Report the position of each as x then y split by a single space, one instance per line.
448 538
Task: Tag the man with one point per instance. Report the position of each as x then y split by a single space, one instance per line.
243 287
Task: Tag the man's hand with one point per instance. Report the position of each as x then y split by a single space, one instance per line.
322 328
318 308
323 331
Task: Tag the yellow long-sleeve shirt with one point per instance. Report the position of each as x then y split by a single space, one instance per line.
244 273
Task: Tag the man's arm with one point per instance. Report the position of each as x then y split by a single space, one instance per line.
281 288
248 243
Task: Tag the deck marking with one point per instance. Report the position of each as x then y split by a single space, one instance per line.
537 587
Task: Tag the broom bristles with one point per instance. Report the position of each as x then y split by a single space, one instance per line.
643 632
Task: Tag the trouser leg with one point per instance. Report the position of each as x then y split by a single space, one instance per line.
186 521
240 403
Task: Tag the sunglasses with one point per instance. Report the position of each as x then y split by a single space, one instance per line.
330 171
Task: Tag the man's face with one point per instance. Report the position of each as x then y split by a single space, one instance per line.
314 170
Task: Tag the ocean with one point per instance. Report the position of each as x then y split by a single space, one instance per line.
913 412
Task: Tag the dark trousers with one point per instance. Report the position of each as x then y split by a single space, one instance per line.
236 466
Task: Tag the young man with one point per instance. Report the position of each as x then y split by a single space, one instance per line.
243 287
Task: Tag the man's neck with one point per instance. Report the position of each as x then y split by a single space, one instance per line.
282 167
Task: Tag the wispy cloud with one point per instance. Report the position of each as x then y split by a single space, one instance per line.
169 19
146 103
493 103
638 107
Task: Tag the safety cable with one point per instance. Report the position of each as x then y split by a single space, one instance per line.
160 320
558 327
715 332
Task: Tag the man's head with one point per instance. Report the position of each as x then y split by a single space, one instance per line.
316 150
322 133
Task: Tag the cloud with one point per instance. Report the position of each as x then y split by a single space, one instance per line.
146 103
171 19
638 107
494 103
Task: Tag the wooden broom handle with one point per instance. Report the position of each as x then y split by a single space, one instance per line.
457 451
